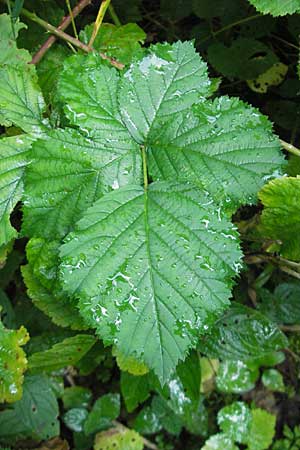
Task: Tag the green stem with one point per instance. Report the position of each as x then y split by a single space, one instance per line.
59 33
72 18
290 148
100 16
231 25
145 170
114 16
11 19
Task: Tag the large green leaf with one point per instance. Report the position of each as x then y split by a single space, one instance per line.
13 363
68 173
152 269
280 219
62 354
243 334
276 7
225 146
35 415
13 160
171 79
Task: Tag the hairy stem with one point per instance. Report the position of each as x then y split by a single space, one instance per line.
62 26
290 148
145 170
113 15
101 13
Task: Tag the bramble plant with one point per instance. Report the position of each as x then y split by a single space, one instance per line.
132 184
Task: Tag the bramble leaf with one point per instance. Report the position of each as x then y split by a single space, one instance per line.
13 363
280 218
14 152
63 354
152 306
212 149
276 7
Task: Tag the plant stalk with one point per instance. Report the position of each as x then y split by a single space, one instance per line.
62 26
113 15
100 16
72 18
290 148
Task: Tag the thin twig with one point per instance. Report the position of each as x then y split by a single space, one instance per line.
72 18
290 148
100 16
231 25
114 15
62 26
292 328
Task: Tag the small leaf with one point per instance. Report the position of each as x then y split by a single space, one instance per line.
63 354
13 363
105 409
280 219
9 53
262 430
76 397
134 389
243 334
276 7
272 77
14 153
236 377
219 442
273 380
116 439
155 308
282 306
74 418
121 43
234 420
35 415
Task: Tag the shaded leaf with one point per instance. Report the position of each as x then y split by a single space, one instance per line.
105 409
276 7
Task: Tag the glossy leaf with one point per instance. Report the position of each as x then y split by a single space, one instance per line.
276 7
68 173
234 420
273 380
62 354
121 43
236 377
171 79
14 152
35 415
13 363
280 219
115 439
219 442
75 418
243 334
211 148
152 306
105 409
